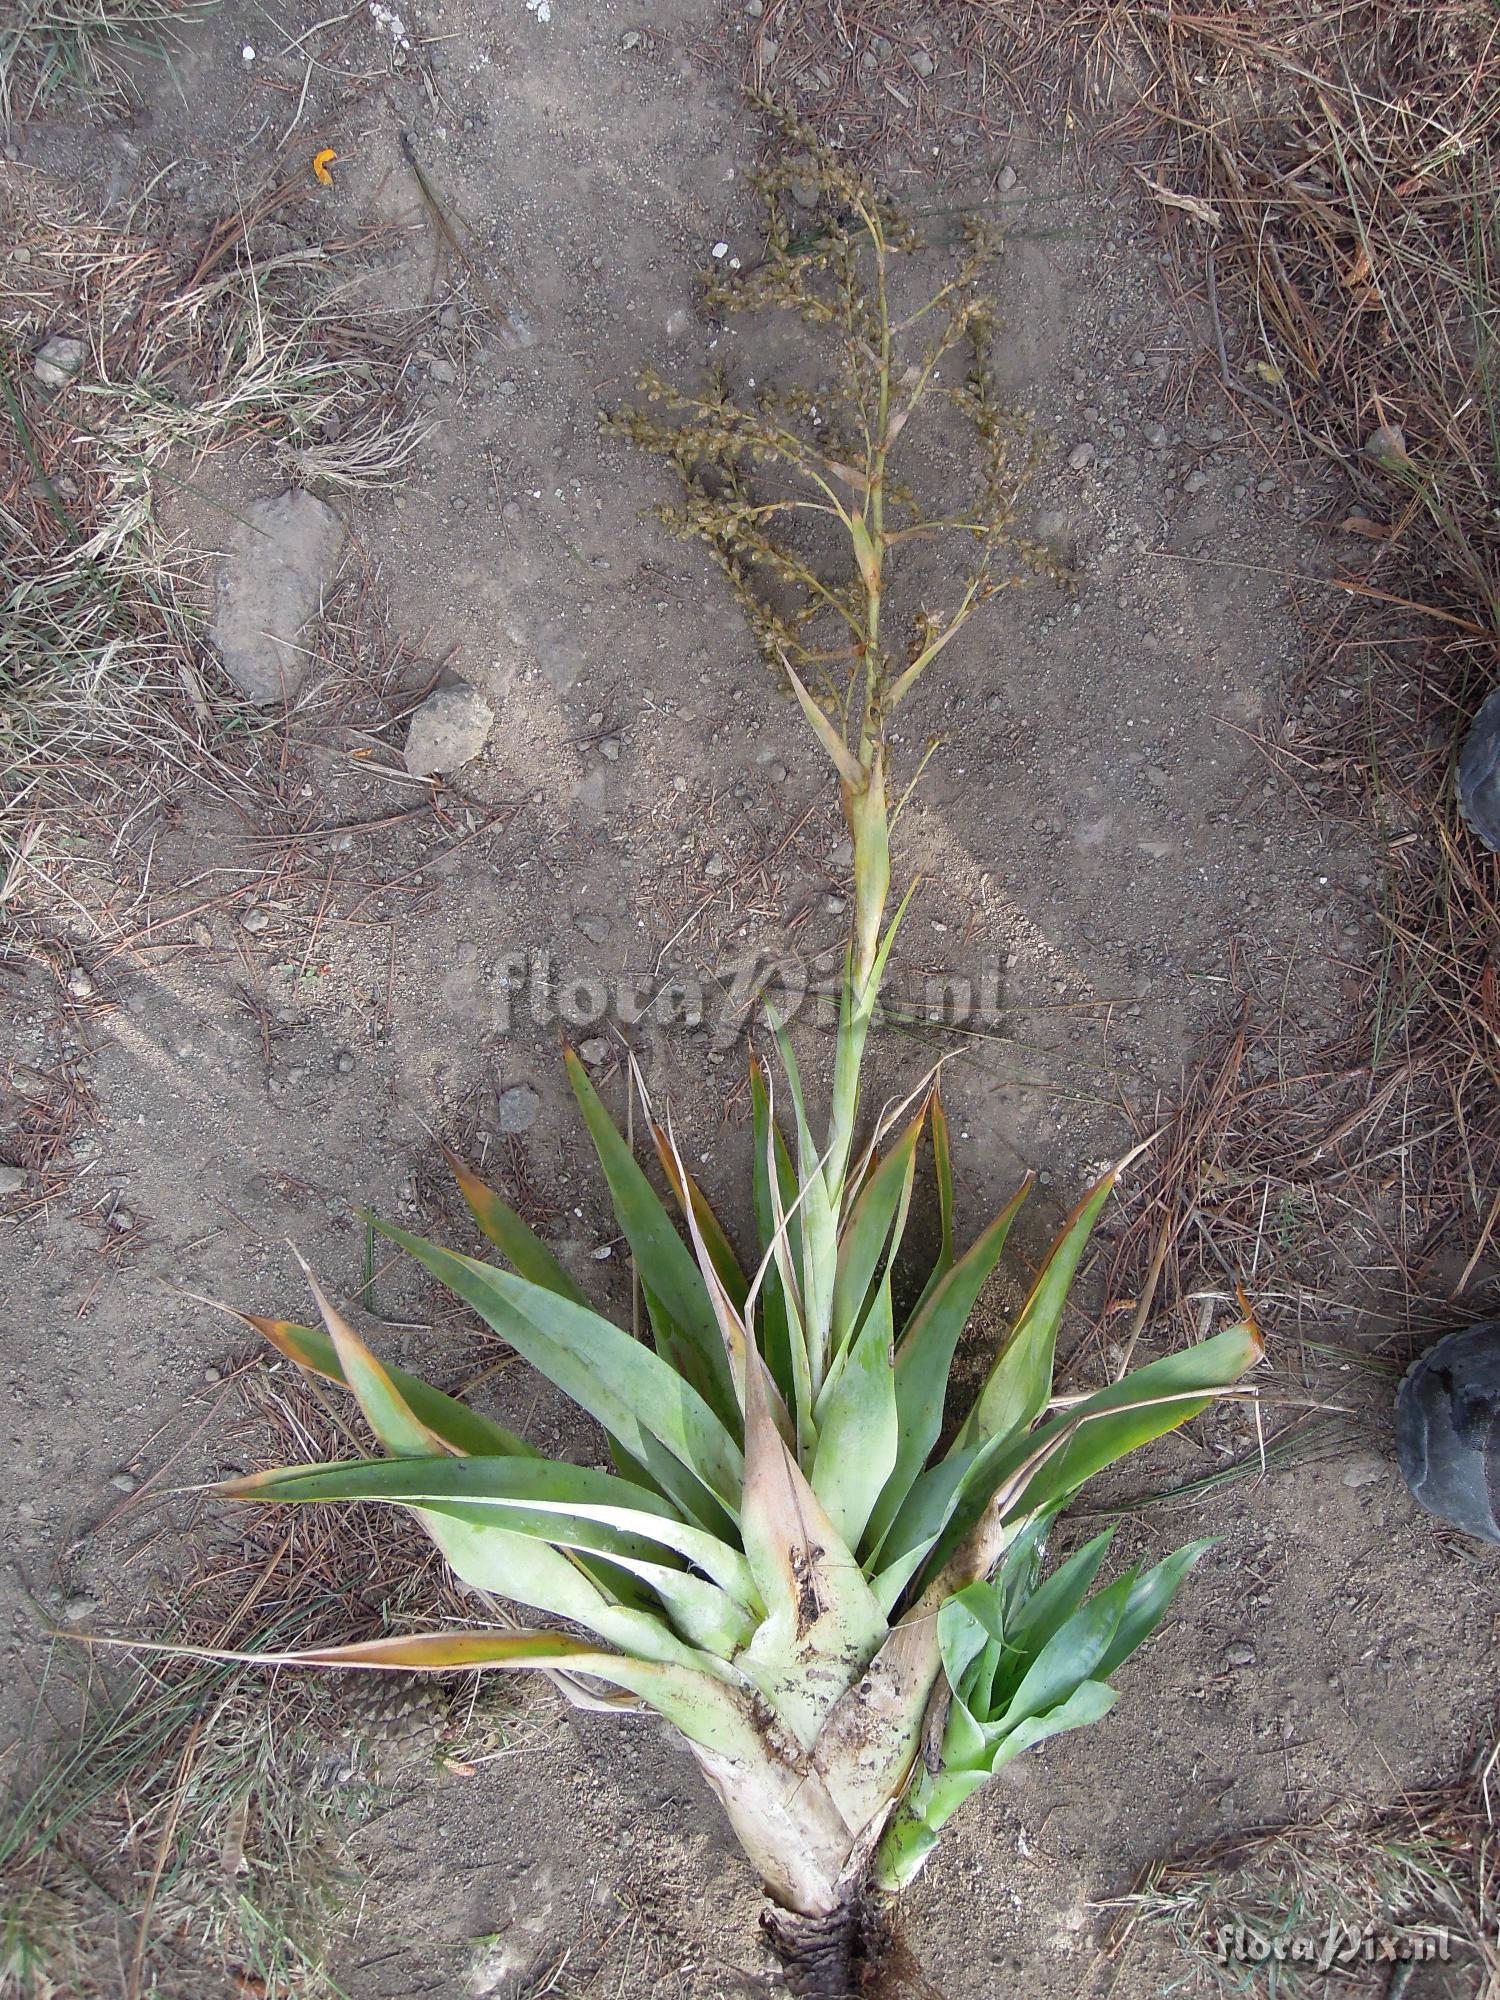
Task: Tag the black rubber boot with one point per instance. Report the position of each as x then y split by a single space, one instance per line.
1448 1429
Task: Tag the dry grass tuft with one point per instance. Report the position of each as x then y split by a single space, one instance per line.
78 49
1411 1877
185 1834
230 342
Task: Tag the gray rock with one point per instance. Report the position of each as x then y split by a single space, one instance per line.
12 1179
124 1482
78 1607
595 929
1363 1471
57 360
281 557
516 1108
594 1051
449 729
442 370
922 63
1080 456
1006 179
254 920
1155 436
1241 1654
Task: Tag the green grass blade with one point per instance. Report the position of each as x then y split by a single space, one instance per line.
868 1231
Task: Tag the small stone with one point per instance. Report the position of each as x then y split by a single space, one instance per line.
281 558
609 749
212 1375
516 1109
12 1179
922 63
835 905
511 511
1080 456
1155 436
594 1051
122 1219
124 1482
450 318
715 866
1156 774
57 361
441 369
1363 1471
777 773
78 1607
595 929
344 1061
805 194
254 920
449 729
81 986
1387 446
1195 482
630 41
1241 1654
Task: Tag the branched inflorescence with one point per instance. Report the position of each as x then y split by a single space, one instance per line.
757 466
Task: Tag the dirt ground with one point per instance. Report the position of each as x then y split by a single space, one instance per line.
1099 836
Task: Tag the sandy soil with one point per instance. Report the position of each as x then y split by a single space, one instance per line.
1099 836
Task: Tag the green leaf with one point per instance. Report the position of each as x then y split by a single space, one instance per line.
1015 1478
925 1356
866 1234
817 1210
1020 1382
389 1415
856 1421
701 1707
513 1238
1147 1603
526 1495
1089 1702
775 1333
1070 1657
666 1265
459 1427
693 1202
628 1389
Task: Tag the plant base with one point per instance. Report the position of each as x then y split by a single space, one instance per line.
840 1956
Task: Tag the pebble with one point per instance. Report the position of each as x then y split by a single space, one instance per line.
630 41
1241 1654
594 1051
441 369
516 1108
449 729
122 1219
254 920
345 1061
281 557
922 63
81 986
1195 482
609 749
715 866
1006 179
1155 435
595 929
211 1375
57 360
12 1179
124 1482
1363 1472
78 1607
1080 456
1156 774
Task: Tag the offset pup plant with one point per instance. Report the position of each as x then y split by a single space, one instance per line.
835 1596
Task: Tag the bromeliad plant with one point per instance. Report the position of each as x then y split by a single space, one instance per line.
831 1592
